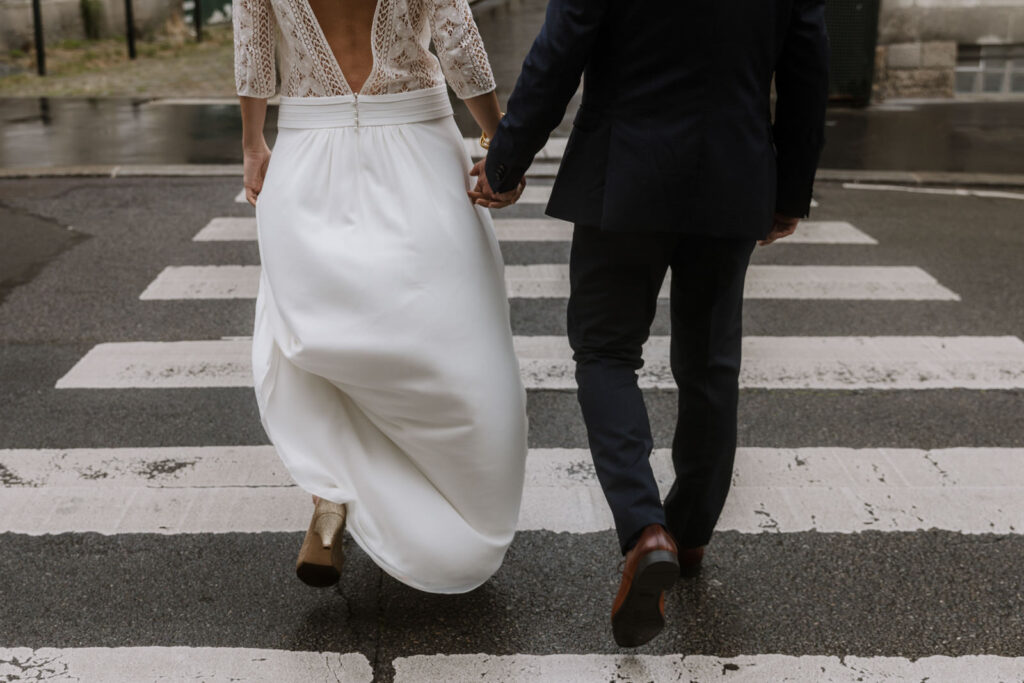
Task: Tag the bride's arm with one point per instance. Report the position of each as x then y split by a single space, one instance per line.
255 81
255 152
461 51
486 112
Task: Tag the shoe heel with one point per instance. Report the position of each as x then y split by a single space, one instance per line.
321 557
658 571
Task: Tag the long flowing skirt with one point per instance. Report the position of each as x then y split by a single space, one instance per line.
382 351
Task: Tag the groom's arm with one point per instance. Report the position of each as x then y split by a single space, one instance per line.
801 81
550 77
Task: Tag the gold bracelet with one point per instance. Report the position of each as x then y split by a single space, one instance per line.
485 141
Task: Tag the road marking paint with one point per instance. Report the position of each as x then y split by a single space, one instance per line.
827 232
228 229
643 668
204 282
552 230
769 282
133 664
247 489
892 283
535 194
947 191
833 363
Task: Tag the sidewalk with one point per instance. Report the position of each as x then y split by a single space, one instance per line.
984 140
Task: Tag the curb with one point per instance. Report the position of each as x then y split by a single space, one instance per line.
541 169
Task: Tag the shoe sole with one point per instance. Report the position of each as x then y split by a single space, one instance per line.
317 575
323 567
639 619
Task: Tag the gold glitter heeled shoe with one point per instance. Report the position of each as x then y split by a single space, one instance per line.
321 557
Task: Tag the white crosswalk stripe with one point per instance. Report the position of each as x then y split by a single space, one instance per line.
247 489
893 283
227 229
748 668
211 664
835 363
223 664
533 194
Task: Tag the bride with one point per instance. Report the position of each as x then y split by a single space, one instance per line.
382 352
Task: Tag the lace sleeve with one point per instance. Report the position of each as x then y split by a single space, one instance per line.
460 48
254 27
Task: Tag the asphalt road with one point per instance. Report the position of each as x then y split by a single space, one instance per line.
94 245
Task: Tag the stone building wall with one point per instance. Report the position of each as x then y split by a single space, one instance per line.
919 40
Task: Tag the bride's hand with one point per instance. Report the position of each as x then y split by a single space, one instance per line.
254 169
483 195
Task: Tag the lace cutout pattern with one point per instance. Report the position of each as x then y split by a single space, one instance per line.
402 32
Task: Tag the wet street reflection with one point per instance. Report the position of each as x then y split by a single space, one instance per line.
937 136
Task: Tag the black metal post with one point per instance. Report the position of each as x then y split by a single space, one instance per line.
197 12
129 27
37 20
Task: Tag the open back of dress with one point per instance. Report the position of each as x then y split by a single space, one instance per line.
400 33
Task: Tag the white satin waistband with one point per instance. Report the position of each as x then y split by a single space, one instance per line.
364 110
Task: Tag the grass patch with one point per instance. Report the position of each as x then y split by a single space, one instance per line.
102 67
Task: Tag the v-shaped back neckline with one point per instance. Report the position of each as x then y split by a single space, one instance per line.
326 45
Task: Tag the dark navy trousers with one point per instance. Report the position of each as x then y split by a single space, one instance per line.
615 281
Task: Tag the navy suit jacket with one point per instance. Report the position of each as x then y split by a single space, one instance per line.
675 131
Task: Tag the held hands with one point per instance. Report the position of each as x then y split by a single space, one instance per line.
483 195
254 169
782 226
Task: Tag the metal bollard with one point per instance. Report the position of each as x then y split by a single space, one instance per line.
129 27
37 22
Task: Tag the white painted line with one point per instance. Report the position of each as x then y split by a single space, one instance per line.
947 191
532 230
551 281
827 232
551 230
814 204
832 363
535 194
892 283
745 668
214 664
204 282
228 229
508 230
247 489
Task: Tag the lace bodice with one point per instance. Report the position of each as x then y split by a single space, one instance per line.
402 32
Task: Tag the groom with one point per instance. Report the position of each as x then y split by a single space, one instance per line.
673 163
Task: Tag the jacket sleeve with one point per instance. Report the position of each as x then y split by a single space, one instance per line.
254 29
460 49
801 83
549 78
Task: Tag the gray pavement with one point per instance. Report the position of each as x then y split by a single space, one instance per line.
894 593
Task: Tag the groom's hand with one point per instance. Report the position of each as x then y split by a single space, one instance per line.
484 195
782 226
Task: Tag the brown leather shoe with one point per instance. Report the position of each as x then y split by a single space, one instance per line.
690 560
652 566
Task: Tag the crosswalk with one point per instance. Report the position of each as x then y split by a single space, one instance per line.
807 490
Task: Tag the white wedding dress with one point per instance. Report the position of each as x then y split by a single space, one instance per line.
382 353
